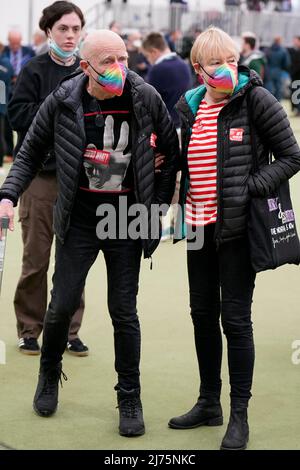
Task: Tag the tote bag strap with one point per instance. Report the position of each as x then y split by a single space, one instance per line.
255 164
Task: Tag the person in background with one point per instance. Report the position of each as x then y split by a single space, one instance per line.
115 27
136 59
18 56
278 63
169 73
188 41
6 74
40 42
172 39
187 44
295 74
62 22
171 76
251 56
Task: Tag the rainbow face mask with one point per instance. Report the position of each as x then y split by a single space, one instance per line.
224 79
113 79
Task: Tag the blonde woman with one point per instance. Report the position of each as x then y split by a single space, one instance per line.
216 187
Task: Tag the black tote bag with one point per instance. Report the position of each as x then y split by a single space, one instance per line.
272 232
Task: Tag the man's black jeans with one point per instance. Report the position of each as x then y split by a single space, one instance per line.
73 260
222 283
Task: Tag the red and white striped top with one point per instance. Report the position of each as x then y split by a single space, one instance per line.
201 200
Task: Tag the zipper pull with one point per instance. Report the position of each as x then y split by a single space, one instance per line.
141 138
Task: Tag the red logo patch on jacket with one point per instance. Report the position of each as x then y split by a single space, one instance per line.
236 135
153 138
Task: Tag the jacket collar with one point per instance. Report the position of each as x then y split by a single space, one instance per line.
167 56
70 90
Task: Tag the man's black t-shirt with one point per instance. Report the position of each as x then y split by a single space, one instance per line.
106 173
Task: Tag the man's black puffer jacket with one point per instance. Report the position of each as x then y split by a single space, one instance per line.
60 121
250 106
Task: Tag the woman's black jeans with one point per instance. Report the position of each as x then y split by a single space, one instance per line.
73 260
221 284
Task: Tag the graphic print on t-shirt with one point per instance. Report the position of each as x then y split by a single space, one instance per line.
106 169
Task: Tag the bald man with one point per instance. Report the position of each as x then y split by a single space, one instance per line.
16 53
106 126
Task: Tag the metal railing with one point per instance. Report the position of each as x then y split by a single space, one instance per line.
266 24
96 15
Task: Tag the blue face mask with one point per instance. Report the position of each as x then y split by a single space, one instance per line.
59 52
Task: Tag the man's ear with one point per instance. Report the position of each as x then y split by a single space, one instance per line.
84 66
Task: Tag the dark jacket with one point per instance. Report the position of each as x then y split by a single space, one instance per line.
60 121
171 77
235 183
26 54
278 59
295 63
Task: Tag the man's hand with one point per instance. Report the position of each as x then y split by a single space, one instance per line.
159 160
7 210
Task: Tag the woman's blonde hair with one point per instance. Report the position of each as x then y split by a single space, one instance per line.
213 43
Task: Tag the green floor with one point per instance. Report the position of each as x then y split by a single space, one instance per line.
87 417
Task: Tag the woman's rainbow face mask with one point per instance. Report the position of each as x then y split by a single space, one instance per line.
113 79
224 78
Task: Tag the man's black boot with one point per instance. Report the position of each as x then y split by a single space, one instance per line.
237 434
46 396
207 411
131 413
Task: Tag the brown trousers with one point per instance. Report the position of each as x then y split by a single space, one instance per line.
36 217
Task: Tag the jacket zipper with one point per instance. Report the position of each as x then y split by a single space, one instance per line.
82 131
219 186
217 237
136 189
